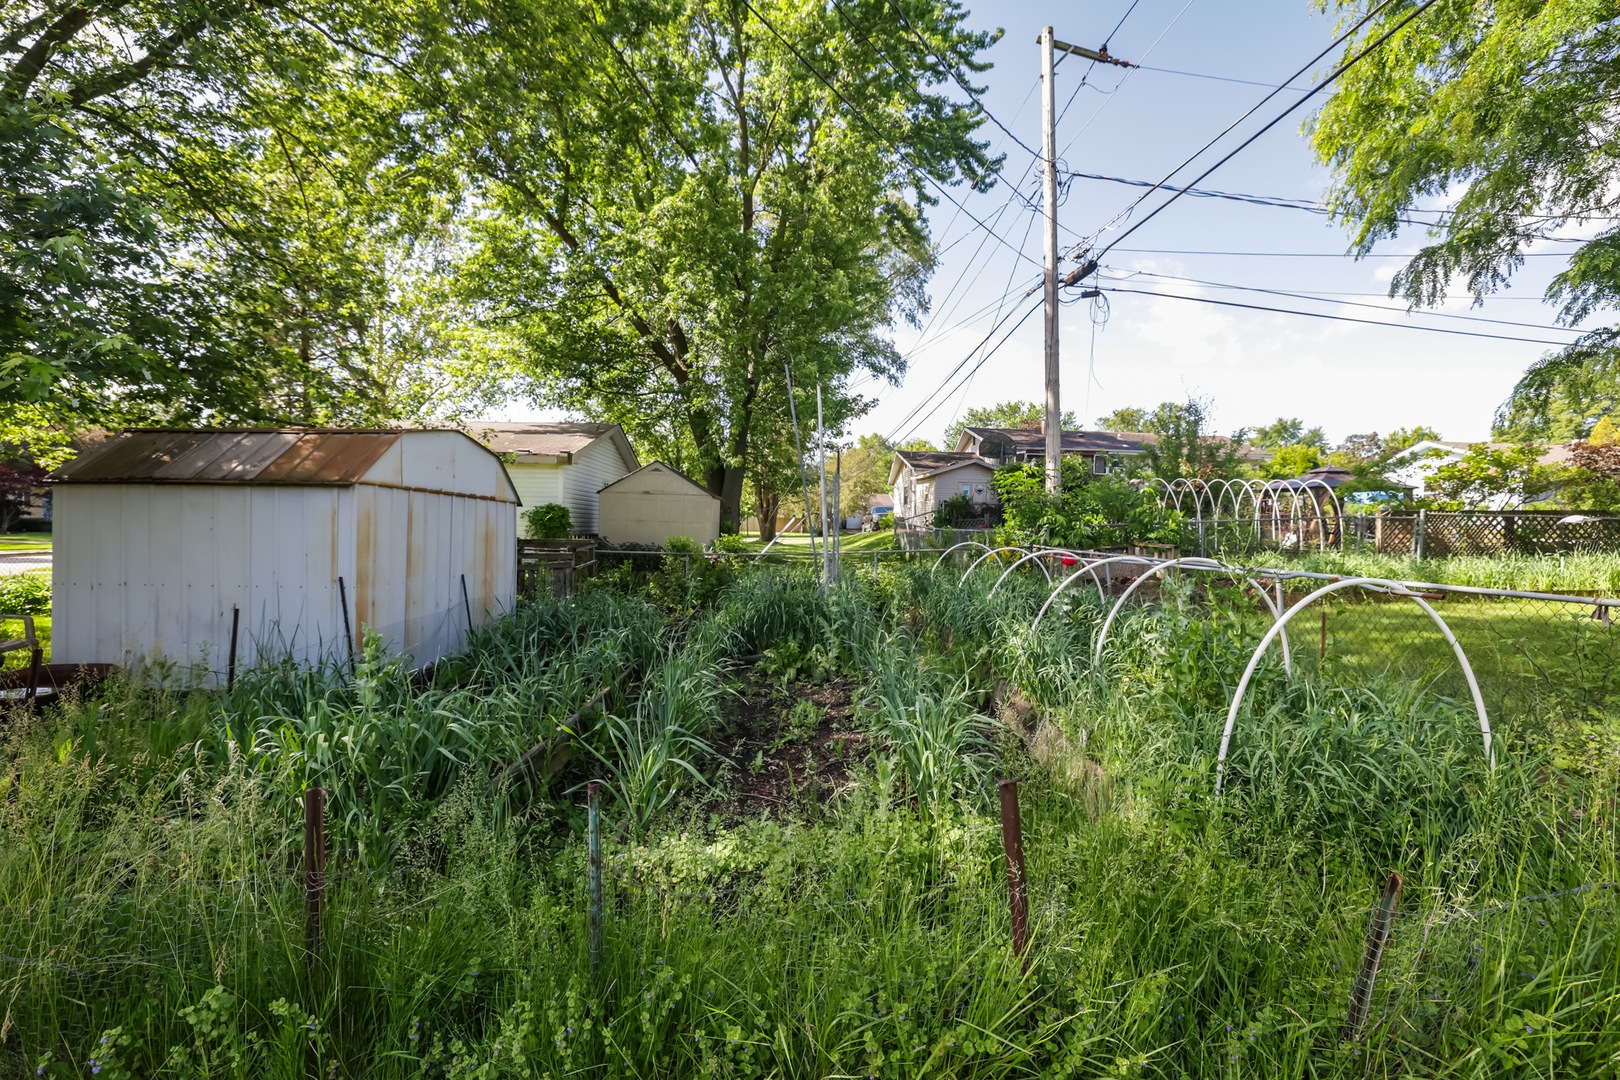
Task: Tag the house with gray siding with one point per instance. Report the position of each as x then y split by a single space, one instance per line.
565 463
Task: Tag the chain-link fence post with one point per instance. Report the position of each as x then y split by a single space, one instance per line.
314 869
593 792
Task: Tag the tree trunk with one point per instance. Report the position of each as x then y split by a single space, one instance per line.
731 492
766 506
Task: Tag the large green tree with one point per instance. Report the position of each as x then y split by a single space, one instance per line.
682 205
211 212
1501 116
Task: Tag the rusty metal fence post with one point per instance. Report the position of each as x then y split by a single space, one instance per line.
348 634
1012 839
314 869
1372 954
594 840
230 667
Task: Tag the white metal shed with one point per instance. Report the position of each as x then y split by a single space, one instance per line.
163 537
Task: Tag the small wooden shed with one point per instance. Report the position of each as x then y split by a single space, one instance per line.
301 538
655 503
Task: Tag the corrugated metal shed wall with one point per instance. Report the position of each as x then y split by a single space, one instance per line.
144 571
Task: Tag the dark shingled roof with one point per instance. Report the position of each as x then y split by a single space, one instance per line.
931 461
1032 441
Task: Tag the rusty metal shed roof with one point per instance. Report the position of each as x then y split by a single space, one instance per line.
295 456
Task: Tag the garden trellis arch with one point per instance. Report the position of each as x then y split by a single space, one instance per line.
1037 555
997 551
1378 585
953 547
1090 566
1249 499
1193 563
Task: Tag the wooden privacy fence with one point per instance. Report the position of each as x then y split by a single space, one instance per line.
557 565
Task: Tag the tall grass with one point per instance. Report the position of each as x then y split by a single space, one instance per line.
144 838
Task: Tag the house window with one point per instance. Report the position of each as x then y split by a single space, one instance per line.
967 489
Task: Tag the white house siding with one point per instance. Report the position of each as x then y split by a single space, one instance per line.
594 468
538 485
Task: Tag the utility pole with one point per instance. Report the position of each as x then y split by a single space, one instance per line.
1054 413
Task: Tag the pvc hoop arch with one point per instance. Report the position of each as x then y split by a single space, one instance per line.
1044 570
987 554
1378 583
1191 563
1091 566
953 547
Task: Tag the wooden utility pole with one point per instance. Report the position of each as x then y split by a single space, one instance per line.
1054 413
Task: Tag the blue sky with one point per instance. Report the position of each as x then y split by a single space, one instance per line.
1254 365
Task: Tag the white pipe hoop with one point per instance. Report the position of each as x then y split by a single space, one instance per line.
1091 566
1191 563
1379 584
986 555
1027 558
953 547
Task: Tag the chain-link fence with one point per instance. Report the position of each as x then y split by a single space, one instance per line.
1423 534
1437 953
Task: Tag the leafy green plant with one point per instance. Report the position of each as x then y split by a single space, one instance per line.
549 521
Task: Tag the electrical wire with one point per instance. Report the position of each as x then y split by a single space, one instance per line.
1126 78
1308 254
924 418
951 68
1217 78
1354 303
1337 318
923 172
1125 213
1324 84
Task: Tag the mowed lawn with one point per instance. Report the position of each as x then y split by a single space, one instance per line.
1520 650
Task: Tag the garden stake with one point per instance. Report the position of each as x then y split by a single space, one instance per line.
466 604
1372 955
348 636
230 668
314 869
1012 839
594 834
34 659
1324 635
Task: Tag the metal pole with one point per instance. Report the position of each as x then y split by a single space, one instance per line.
34 657
1012 839
230 668
803 485
1054 414
821 443
1372 955
348 635
838 515
314 868
593 791
466 603
1420 534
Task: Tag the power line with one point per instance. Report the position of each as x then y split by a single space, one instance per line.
922 171
951 68
1354 303
1126 78
1252 110
1308 254
1324 84
1218 78
1339 318
923 419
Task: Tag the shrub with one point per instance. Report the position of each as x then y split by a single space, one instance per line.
954 509
548 522
25 594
